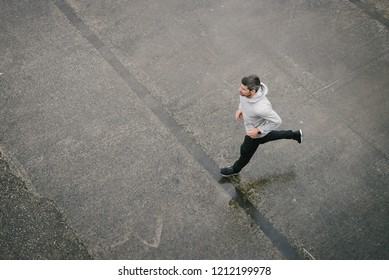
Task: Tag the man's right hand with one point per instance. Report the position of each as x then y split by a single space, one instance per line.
238 115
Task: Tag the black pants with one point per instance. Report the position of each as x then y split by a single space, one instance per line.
250 145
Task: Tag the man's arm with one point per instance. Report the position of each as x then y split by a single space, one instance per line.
239 114
272 121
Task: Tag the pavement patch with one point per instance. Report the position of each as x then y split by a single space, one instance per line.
371 11
32 227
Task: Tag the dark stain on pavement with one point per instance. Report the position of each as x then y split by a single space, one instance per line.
32 227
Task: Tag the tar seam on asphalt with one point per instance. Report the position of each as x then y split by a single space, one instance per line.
193 148
371 11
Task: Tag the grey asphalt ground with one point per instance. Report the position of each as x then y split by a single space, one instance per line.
117 115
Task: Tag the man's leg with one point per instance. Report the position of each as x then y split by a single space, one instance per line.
250 145
282 134
247 150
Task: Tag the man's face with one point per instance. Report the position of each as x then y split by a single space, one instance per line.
244 91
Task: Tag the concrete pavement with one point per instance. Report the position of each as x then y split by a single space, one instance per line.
120 113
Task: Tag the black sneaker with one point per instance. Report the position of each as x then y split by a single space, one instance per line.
299 137
228 171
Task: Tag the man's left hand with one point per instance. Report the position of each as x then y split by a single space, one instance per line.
252 132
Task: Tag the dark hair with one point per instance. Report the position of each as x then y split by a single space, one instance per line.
252 82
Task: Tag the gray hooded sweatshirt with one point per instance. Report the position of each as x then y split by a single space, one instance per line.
258 112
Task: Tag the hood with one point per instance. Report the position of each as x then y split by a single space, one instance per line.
262 92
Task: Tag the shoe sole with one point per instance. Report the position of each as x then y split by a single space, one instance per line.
230 175
302 134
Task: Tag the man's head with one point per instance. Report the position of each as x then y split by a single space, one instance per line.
249 86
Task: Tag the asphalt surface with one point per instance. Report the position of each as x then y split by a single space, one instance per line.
117 115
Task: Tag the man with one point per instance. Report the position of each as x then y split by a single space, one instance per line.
260 121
